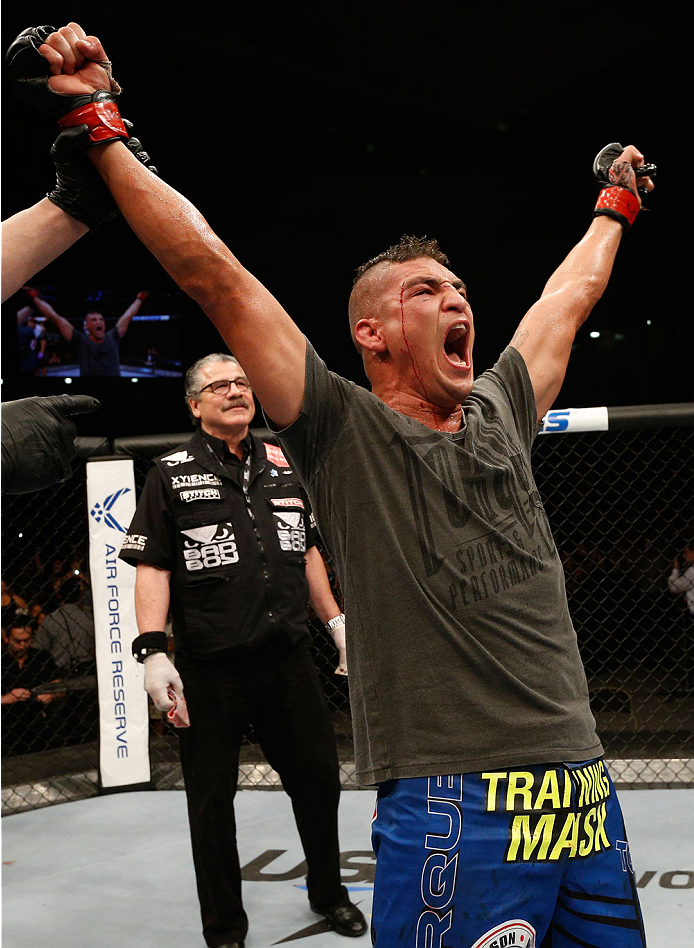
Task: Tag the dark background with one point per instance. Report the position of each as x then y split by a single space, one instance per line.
312 137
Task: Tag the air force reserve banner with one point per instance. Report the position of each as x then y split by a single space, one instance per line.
123 713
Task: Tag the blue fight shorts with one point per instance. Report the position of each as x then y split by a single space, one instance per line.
531 857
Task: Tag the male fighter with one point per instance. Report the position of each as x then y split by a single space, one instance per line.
497 821
97 349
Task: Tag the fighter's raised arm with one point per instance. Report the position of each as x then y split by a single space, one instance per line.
33 238
132 310
79 201
64 326
547 331
253 324
250 320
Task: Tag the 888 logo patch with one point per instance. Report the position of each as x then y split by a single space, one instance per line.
209 547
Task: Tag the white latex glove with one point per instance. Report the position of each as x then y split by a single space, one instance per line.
339 640
164 686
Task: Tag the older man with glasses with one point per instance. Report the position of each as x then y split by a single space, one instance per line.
223 539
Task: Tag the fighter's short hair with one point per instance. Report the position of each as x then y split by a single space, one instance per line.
407 248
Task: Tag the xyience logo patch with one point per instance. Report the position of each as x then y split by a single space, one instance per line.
181 481
134 541
516 932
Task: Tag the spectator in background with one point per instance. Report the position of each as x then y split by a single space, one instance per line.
8 596
681 582
681 579
31 340
10 602
27 715
584 567
74 569
96 350
585 570
151 359
37 613
49 576
67 633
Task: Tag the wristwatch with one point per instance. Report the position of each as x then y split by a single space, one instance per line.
335 623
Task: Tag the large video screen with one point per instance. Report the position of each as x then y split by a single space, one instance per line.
99 333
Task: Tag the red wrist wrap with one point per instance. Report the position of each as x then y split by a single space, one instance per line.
619 203
103 119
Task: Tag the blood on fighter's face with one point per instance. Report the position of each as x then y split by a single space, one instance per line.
430 314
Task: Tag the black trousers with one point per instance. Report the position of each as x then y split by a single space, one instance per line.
277 689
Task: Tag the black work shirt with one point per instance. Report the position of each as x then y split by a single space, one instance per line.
233 534
37 669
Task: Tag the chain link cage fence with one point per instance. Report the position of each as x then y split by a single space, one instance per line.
620 504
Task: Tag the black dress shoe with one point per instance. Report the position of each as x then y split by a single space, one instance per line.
344 918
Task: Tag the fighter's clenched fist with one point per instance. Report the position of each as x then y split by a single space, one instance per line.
67 74
624 179
71 62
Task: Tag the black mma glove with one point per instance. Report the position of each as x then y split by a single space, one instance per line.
79 189
29 73
38 440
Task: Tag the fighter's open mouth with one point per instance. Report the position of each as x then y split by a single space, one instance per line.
456 346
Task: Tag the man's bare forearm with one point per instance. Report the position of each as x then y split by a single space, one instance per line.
126 318
585 272
246 314
64 326
167 223
547 331
32 239
152 597
320 594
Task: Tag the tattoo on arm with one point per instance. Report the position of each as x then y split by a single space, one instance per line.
622 174
519 339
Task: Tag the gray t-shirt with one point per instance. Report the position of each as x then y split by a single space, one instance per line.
68 634
97 358
462 656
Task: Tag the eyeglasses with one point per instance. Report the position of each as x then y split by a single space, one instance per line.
223 386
